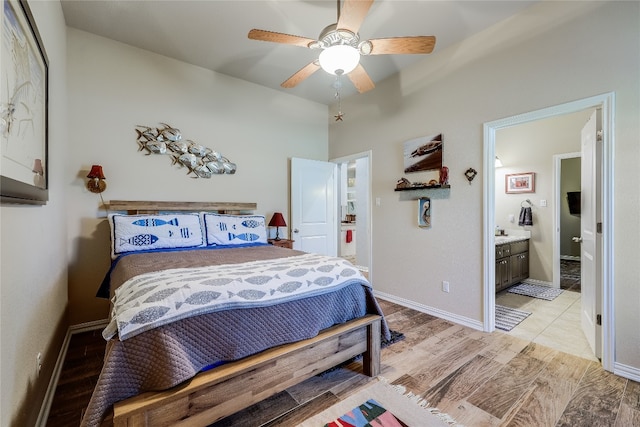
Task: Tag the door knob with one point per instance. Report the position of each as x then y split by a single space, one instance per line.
295 230
577 239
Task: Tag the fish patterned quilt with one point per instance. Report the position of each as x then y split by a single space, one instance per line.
158 298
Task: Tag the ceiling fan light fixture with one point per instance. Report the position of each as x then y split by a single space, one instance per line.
365 47
339 57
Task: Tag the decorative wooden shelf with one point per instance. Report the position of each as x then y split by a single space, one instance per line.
423 187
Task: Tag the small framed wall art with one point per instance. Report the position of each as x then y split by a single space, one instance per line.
424 212
520 183
423 154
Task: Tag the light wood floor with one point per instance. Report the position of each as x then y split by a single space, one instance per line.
480 379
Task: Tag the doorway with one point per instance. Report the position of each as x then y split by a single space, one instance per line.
606 103
566 220
354 210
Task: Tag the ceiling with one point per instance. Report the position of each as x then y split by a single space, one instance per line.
213 34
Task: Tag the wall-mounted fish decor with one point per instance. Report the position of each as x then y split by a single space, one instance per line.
202 161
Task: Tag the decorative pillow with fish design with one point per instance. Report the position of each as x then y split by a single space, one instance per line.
234 229
136 233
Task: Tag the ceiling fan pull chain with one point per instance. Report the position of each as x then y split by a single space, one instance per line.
338 85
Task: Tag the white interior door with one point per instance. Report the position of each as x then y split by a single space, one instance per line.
314 206
589 217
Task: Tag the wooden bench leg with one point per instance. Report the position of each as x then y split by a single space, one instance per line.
371 358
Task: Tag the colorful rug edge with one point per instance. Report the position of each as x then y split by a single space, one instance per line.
444 417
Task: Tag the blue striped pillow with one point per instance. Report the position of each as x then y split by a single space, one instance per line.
135 233
234 229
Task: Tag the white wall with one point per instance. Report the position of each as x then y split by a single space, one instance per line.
33 284
113 87
530 147
552 53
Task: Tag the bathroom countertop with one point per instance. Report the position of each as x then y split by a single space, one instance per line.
500 240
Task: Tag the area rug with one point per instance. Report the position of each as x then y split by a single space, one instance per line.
389 405
535 291
508 318
395 337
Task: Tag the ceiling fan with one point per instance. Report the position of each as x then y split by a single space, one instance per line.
341 47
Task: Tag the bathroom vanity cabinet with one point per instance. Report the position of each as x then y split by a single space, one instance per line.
512 263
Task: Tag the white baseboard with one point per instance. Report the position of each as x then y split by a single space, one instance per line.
455 318
626 371
570 257
88 326
43 415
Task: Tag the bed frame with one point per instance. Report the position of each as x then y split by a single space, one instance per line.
220 392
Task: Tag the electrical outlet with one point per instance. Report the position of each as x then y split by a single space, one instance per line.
445 286
38 363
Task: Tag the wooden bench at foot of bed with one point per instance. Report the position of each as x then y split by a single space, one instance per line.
220 392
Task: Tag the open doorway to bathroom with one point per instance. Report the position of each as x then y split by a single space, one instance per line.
552 314
541 260
354 190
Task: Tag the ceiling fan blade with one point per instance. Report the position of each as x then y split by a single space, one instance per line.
301 74
361 79
271 36
352 14
400 45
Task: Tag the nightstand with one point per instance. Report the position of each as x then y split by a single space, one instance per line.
283 243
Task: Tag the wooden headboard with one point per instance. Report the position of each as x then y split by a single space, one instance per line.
133 207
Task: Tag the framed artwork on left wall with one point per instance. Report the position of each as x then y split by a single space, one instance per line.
23 108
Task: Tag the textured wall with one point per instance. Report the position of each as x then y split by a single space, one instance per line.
552 53
114 87
33 258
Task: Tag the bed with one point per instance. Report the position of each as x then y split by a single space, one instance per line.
220 320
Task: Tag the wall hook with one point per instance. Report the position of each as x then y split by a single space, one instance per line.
470 174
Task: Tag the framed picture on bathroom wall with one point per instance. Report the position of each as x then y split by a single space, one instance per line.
520 183
424 212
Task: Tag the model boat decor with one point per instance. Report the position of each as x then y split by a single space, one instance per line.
201 161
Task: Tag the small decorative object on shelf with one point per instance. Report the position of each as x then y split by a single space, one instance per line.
444 175
282 243
470 174
403 183
432 184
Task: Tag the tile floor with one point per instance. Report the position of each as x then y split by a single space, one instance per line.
555 324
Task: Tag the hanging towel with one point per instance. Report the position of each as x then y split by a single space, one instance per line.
526 217
349 236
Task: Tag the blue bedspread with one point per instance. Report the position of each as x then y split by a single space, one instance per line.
163 357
